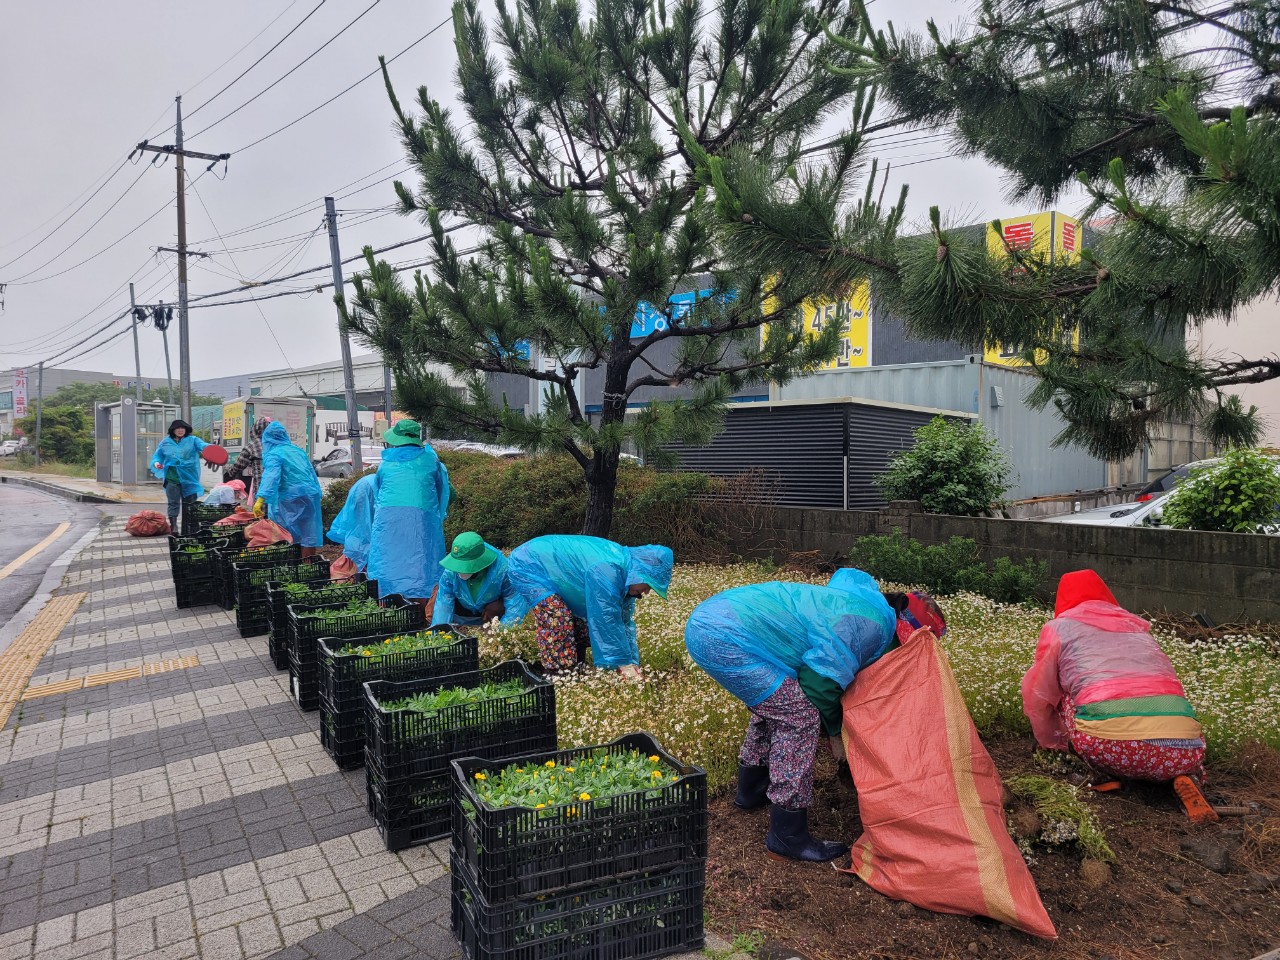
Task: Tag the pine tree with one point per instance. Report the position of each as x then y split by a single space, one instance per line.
1164 110
574 177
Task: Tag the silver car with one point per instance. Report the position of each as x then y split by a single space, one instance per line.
337 463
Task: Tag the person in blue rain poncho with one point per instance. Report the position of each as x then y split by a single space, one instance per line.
352 528
789 651
408 515
288 491
569 579
474 587
177 462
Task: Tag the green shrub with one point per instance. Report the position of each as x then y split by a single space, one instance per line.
955 468
510 501
1239 494
946 568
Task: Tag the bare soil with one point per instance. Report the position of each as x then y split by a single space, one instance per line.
1159 902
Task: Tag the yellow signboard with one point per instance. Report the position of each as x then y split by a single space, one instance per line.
1053 235
854 317
233 422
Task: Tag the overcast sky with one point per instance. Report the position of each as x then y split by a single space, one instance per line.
82 86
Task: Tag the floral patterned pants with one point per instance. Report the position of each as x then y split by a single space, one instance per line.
783 733
1157 760
562 637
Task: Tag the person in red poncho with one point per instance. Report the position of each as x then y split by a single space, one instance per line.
1102 687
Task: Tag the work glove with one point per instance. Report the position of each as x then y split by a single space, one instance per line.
260 508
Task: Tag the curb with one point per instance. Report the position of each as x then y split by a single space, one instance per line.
59 491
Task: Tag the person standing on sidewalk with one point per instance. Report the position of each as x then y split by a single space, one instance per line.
177 462
248 464
411 499
289 492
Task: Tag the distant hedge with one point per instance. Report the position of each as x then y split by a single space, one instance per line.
510 501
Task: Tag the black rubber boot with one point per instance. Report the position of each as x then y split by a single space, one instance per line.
789 837
753 782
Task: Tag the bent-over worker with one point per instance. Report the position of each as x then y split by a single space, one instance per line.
569 579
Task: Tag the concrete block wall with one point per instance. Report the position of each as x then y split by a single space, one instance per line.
1232 577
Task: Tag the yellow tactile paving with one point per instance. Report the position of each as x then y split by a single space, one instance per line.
110 676
18 662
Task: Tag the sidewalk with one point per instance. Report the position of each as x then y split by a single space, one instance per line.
90 491
162 796
190 811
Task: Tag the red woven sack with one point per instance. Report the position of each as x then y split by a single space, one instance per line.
266 533
147 523
929 795
237 519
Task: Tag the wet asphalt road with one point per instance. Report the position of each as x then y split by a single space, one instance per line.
29 518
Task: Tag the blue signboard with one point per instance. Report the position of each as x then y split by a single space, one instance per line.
648 319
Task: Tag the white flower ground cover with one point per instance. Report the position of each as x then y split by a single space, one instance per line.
1234 683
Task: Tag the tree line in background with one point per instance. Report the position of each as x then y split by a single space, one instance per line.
67 418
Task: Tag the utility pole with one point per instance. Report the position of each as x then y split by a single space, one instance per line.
135 314
184 344
386 391
348 376
39 405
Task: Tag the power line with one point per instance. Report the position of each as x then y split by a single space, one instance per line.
345 91
288 73
270 51
84 232
265 321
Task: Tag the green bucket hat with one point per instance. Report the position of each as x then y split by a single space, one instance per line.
405 433
470 554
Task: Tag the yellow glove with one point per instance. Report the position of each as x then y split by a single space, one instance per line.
260 508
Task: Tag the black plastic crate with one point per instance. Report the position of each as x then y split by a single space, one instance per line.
205 515
230 555
278 600
642 916
183 562
519 851
396 616
407 753
250 579
342 679
197 592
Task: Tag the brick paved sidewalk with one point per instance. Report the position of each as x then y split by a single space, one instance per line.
191 812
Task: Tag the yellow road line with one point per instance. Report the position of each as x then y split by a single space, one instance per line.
110 676
18 661
15 564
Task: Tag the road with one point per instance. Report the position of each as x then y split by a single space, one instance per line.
35 529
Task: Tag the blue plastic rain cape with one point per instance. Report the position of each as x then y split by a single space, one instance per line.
184 455
752 638
408 522
457 603
591 576
353 526
290 488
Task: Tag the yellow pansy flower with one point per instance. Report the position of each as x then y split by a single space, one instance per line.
584 796
481 776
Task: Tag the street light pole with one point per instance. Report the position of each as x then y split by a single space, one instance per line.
137 357
348 375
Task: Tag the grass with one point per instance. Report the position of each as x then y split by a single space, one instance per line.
1233 683
82 471
1059 803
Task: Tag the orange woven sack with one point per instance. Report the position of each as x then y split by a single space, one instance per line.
344 568
239 518
929 794
266 533
147 523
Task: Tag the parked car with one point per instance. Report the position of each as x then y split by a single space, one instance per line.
1146 513
1166 482
9 448
337 463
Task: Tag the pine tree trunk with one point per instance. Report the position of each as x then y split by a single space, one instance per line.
601 488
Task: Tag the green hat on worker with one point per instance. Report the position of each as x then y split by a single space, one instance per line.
470 554
405 433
